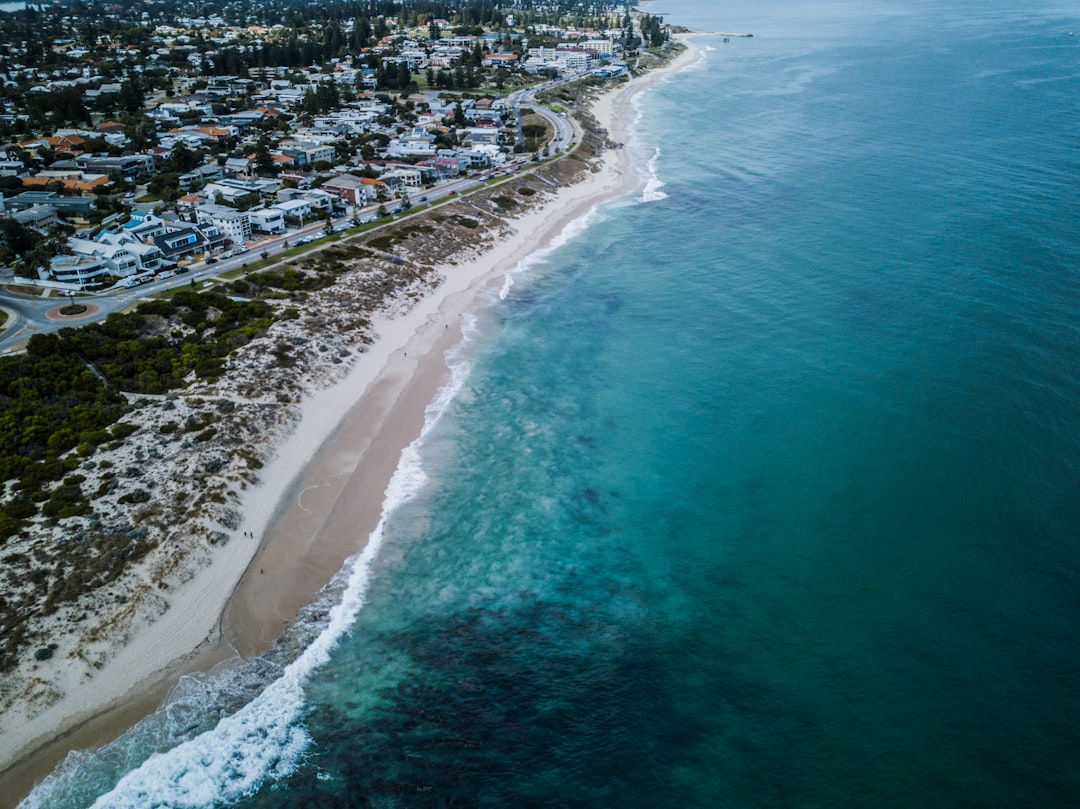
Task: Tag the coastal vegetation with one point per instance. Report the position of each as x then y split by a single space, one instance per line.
66 392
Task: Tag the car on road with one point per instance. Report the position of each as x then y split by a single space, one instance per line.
211 260
163 275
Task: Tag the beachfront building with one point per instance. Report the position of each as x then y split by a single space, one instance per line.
300 209
353 190
144 226
121 253
267 220
183 242
232 224
80 271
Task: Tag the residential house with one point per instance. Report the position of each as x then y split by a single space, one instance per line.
183 242
127 166
40 218
351 189
267 220
68 207
233 190
297 208
232 224
81 271
144 226
239 167
203 174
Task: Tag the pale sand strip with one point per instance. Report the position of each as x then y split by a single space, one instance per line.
321 495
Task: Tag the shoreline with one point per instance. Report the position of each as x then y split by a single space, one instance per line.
312 514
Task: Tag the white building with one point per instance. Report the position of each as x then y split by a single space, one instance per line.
79 270
297 208
267 220
232 224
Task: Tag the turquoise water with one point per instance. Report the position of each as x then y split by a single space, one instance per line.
762 490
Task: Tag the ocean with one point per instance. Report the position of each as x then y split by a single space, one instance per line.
761 489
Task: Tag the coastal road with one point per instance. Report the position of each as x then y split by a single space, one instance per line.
27 313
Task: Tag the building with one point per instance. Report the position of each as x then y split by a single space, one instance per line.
297 208
233 190
348 188
81 271
69 207
144 226
40 218
121 253
127 166
232 224
267 220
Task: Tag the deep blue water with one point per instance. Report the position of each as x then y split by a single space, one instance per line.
763 492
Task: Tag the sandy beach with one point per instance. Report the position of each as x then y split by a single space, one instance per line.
321 489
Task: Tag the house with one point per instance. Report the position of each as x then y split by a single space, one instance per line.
180 243
319 199
82 271
115 246
232 224
127 166
297 208
207 172
40 218
267 220
410 175
144 226
233 190
503 60
68 207
445 167
239 167
477 135
186 205
348 188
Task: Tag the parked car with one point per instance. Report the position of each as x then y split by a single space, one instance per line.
211 260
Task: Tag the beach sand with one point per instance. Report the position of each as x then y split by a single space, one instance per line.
322 493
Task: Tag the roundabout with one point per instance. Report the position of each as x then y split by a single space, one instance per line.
72 311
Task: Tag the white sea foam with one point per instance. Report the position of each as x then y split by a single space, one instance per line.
567 234
265 739
652 192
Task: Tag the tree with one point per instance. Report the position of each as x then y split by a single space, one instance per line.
132 94
183 159
264 161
